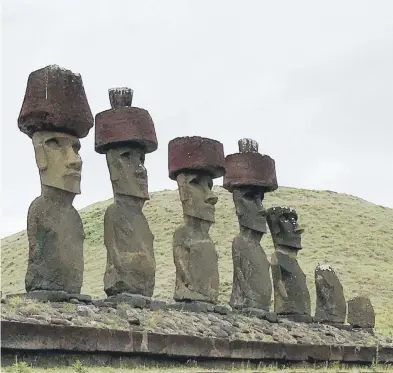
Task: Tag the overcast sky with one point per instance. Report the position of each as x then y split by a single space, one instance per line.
311 81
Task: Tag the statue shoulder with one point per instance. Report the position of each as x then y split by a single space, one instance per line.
181 234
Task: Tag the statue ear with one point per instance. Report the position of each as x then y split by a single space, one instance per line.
238 201
182 185
40 157
275 227
112 163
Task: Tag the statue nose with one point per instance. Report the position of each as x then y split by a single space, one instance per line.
211 199
262 212
298 229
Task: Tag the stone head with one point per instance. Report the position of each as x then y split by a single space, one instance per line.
284 227
127 171
58 160
249 209
196 195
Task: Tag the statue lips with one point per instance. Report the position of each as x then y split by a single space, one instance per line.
298 229
75 174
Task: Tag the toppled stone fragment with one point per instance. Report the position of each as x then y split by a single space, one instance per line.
55 100
330 305
194 162
126 134
361 313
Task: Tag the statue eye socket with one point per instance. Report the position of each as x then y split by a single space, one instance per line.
53 143
194 181
249 196
142 158
125 155
210 184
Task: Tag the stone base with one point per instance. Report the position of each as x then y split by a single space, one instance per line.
261 314
196 306
134 300
296 318
52 296
367 330
58 342
334 325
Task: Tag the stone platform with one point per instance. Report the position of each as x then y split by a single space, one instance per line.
42 341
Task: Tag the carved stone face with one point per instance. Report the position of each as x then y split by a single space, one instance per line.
196 195
249 209
284 227
58 160
127 171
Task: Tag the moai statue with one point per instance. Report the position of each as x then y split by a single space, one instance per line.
291 295
331 307
249 175
194 162
361 313
55 114
125 134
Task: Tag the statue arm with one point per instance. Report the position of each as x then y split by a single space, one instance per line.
238 270
180 257
109 238
277 277
32 227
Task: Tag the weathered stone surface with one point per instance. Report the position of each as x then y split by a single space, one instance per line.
194 162
188 322
54 227
330 305
58 160
248 145
130 261
125 135
251 311
250 169
125 124
18 336
284 227
135 300
193 306
222 310
195 154
196 260
361 313
81 298
299 318
52 296
251 278
55 100
157 305
120 97
291 295
56 236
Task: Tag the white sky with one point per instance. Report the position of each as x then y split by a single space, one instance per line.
311 81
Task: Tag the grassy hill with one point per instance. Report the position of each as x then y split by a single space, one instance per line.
352 235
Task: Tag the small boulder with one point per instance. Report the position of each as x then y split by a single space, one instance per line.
330 305
361 313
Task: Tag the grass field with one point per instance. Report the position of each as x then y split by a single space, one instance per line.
352 235
332 367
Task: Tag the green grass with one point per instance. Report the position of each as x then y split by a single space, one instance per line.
352 235
302 368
